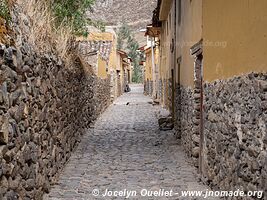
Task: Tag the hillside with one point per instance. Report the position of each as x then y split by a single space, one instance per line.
137 13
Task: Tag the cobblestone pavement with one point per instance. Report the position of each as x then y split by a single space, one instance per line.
126 150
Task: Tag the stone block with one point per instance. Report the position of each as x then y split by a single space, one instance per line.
4 132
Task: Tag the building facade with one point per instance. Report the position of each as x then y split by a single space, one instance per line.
99 54
212 70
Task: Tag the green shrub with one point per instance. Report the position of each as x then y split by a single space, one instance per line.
4 11
72 13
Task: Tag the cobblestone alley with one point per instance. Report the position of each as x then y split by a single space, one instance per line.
126 150
131 99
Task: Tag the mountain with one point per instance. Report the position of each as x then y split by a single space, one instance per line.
136 13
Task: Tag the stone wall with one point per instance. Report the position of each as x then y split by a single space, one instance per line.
160 92
235 136
178 111
166 91
44 109
113 85
148 88
186 123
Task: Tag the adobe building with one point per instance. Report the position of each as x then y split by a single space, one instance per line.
213 63
99 54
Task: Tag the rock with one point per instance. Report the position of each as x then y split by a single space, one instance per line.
212 117
265 138
196 139
255 166
8 55
3 150
196 95
8 156
38 82
263 85
30 184
14 97
14 184
253 152
1 97
195 152
20 112
4 184
11 195
10 168
1 173
4 132
17 60
9 73
166 123
2 50
4 94
26 69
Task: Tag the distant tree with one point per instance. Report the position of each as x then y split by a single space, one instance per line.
125 35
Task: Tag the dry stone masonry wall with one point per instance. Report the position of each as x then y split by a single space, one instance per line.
148 87
235 136
188 124
45 107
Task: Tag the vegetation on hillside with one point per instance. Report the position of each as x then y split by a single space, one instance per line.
72 13
126 37
50 24
4 11
5 19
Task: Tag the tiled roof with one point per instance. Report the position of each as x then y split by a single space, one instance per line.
102 48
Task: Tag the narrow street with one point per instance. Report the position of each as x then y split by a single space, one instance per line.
126 150
127 99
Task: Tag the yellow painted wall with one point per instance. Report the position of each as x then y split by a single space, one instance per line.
122 75
188 33
157 56
165 55
113 58
113 55
102 65
163 67
148 65
98 36
118 61
240 28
